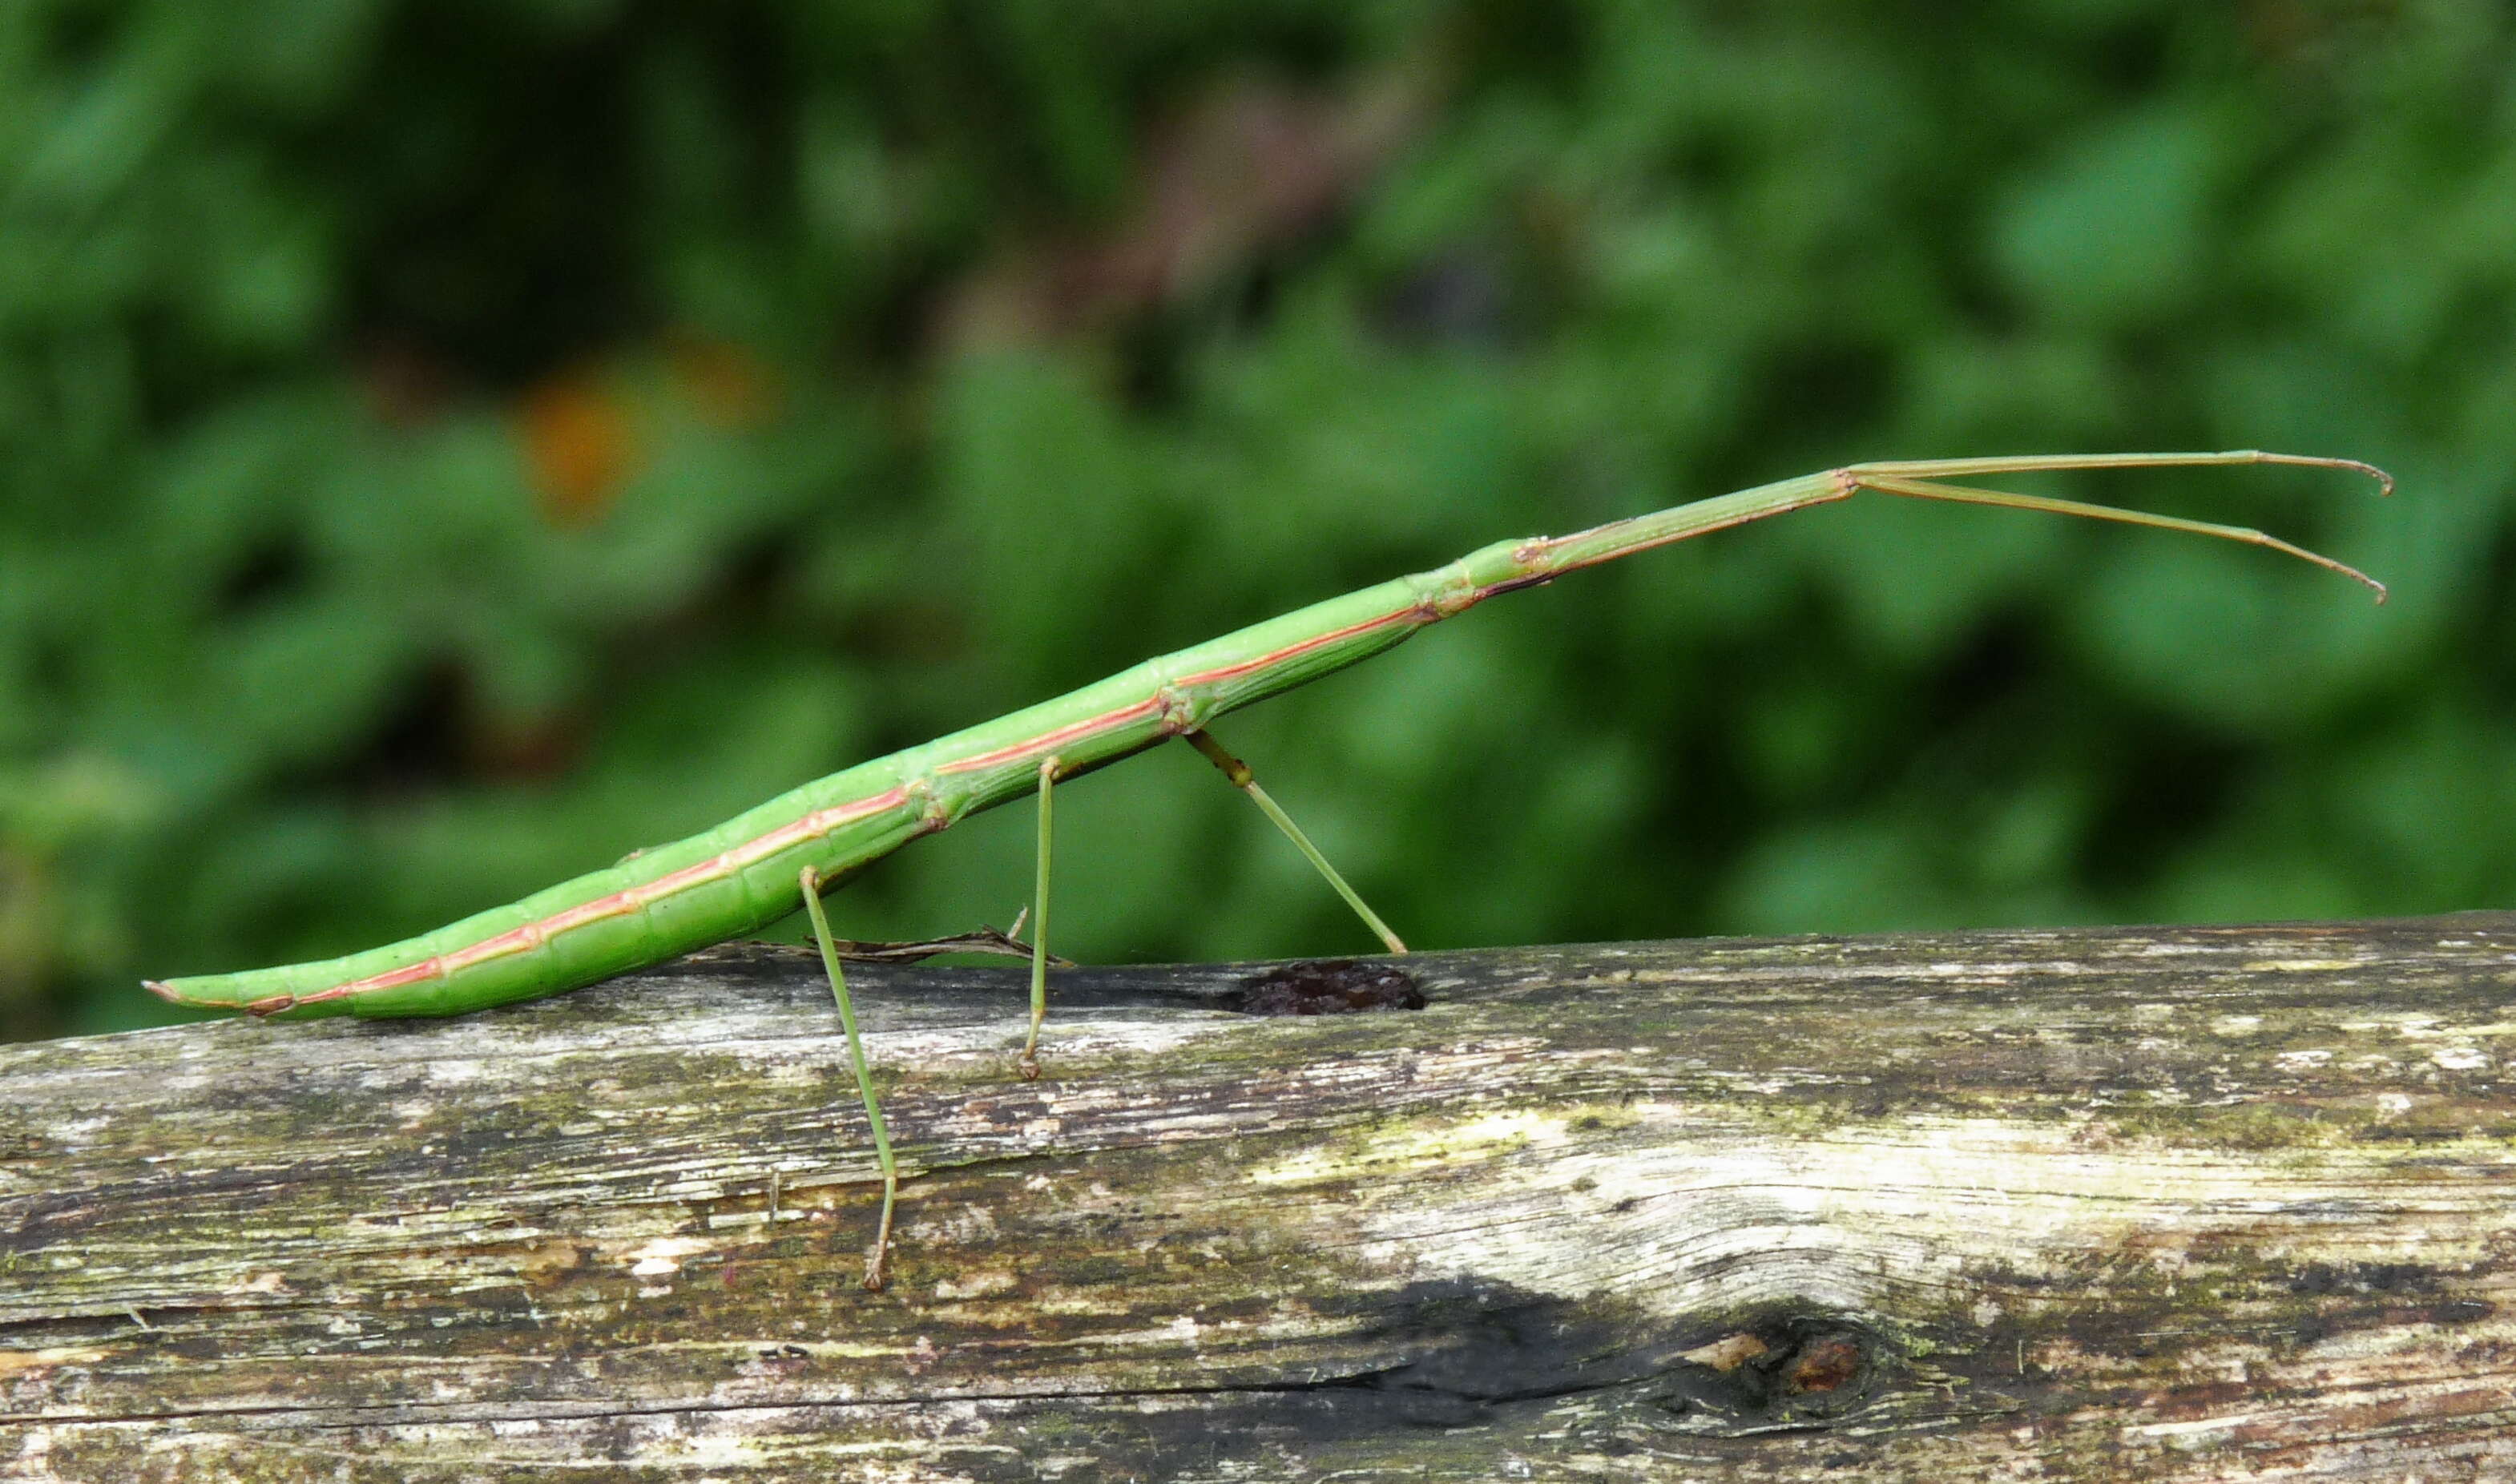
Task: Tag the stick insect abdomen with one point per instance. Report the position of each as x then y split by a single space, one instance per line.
740 876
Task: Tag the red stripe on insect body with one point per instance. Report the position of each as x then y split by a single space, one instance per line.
1273 657
1028 747
618 904
1162 702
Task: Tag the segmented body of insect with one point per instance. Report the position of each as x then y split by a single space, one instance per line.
759 865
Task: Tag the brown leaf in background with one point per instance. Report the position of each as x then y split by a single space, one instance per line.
725 381
1252 166
580 448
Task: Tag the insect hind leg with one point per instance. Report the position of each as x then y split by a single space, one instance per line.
810 883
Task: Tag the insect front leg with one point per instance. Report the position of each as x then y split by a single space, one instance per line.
1238 772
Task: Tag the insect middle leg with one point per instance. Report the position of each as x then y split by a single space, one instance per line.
1238 772
1028 1063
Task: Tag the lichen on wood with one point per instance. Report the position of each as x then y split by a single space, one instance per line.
2202 1203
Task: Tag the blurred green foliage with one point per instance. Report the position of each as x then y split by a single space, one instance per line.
443 446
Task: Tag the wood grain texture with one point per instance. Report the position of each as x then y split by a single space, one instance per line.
2171 1204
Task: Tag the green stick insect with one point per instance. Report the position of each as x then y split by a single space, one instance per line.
756 867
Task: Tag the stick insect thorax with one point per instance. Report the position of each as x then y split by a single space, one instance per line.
742 876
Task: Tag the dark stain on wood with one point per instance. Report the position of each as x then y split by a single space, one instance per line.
1328 987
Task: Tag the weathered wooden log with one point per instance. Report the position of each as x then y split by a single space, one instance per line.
2172 1203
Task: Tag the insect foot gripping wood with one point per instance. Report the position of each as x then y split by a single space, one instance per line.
742 876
